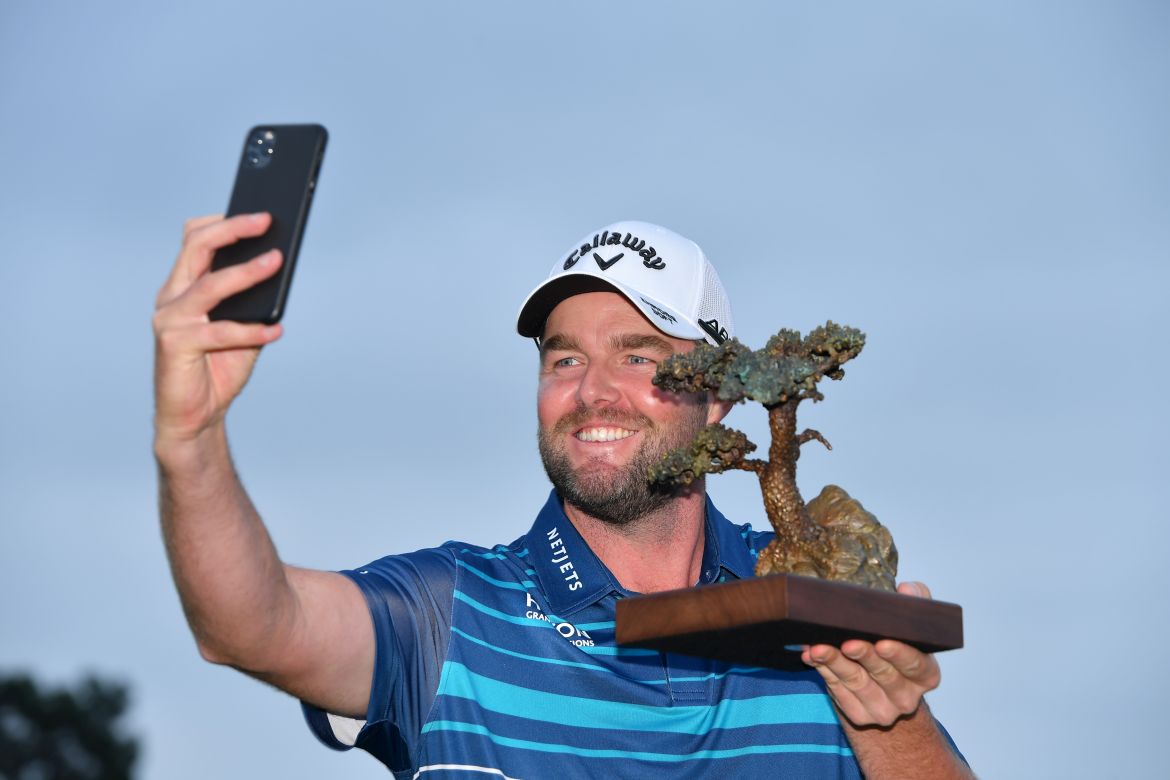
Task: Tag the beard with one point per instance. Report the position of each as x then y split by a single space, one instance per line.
617 495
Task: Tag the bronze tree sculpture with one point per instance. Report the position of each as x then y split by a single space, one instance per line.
832 536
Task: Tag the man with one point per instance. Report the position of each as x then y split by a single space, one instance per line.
459 661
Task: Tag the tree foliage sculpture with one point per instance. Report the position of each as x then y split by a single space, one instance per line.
831 537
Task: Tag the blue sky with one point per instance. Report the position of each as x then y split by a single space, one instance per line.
982 187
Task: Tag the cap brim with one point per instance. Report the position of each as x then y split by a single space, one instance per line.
541 301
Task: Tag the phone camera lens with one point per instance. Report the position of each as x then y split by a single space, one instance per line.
261 148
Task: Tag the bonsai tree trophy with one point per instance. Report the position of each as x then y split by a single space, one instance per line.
831 538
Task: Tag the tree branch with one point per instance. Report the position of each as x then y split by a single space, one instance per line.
809 435
754 465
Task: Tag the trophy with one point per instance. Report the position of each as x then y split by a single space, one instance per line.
828 576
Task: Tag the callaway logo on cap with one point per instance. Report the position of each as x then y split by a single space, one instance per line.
665 275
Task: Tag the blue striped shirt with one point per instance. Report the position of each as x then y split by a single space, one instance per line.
502 663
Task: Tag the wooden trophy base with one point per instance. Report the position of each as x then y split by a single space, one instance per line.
757 621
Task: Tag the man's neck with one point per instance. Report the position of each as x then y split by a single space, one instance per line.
660 551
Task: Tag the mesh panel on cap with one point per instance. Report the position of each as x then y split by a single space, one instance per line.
714 303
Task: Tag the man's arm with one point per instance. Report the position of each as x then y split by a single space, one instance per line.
912 748
878 690
306 632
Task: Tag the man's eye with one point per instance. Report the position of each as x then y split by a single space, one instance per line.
639 360
565 362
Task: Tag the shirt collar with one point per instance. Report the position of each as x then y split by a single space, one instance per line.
727 549
573 576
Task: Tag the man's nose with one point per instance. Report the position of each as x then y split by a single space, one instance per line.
598 386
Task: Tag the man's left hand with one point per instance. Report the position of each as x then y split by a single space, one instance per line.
876 684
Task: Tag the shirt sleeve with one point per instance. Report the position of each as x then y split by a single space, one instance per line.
950 741
409 597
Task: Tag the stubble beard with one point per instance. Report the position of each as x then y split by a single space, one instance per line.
617 495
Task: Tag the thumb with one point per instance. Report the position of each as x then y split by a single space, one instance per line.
914 589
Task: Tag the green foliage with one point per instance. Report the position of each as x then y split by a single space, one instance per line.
716 448
838 342
703 368
63 734
786 342
788 367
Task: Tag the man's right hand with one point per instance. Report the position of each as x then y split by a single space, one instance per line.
306 632
200 365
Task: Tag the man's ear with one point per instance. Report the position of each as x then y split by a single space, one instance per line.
716 409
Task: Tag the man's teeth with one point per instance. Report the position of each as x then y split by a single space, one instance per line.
603 434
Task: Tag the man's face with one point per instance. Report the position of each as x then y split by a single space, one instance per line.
602 422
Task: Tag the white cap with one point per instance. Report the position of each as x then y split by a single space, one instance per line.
667 277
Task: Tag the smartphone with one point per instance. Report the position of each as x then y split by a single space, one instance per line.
278 174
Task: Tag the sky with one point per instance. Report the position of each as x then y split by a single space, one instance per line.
982 187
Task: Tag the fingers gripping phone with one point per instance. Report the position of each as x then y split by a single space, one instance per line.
278 173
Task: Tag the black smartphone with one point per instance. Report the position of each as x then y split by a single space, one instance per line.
278 174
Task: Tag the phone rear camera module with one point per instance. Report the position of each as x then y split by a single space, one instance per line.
261 149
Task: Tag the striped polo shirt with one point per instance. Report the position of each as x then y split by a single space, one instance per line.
502 663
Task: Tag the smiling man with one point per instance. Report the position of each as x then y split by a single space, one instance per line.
460 661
